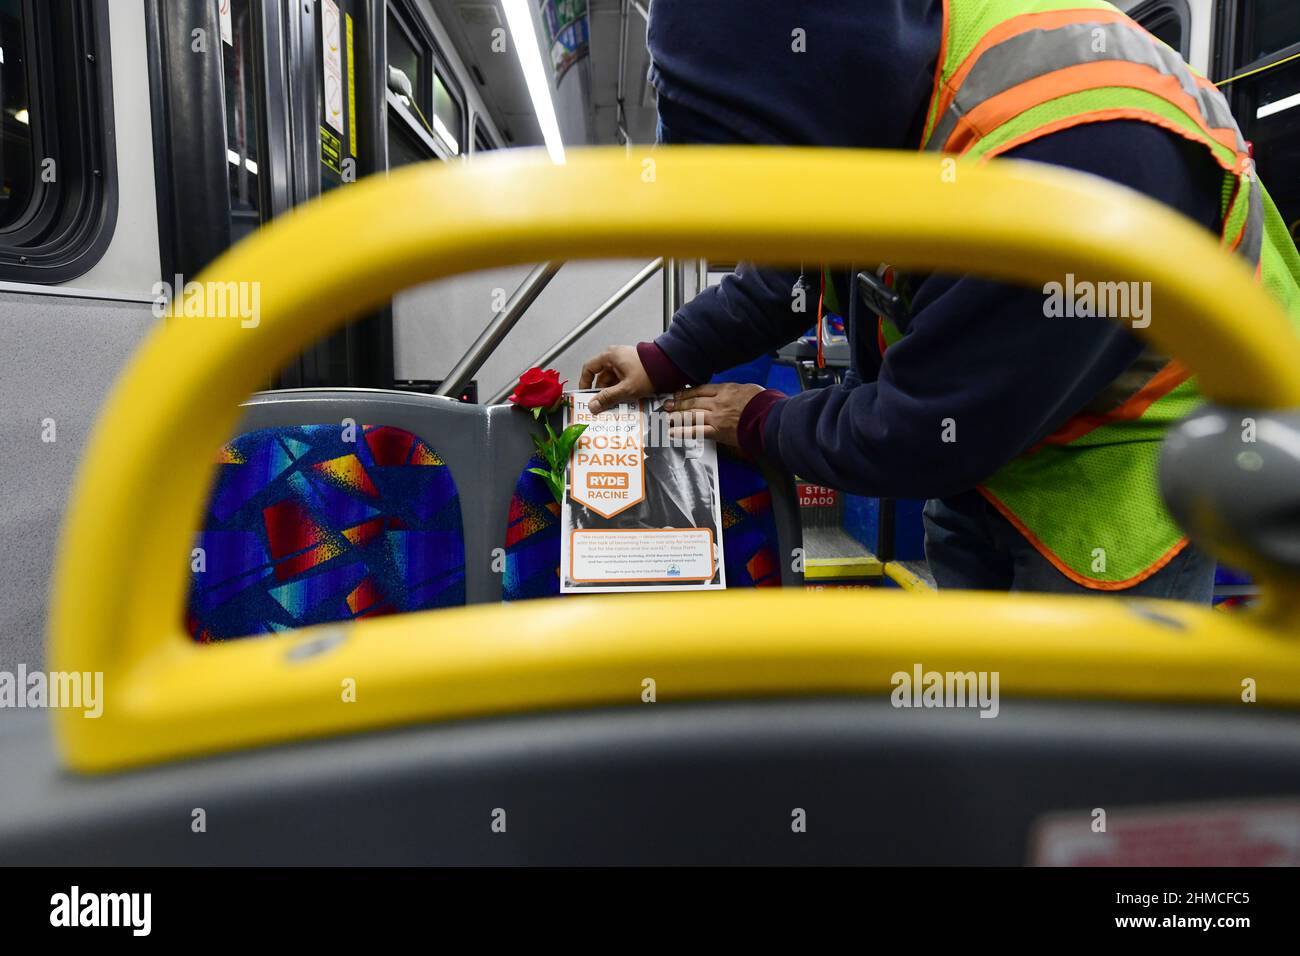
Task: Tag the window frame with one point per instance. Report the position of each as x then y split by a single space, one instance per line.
1153 12
1231 38
434 63
66 226
1229 41
482 132
442 70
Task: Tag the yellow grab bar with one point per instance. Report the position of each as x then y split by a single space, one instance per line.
121 577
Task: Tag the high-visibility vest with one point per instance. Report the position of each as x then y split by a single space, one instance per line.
1011 71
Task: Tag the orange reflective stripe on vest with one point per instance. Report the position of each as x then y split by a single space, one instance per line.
1053 47
1034 58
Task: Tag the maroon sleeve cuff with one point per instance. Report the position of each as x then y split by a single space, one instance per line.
749 431
664 374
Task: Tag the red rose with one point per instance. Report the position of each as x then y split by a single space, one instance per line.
538 389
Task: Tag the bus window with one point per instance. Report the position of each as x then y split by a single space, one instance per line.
17 182
1268 26
1269 111
448 117
427 113
242 118
57 176
1263 86
405 56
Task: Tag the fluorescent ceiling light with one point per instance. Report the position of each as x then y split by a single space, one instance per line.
1278 107
519 18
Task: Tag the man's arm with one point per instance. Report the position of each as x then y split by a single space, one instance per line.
746 315
982 373
743 317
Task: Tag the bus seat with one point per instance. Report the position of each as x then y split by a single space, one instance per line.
328 506
305 526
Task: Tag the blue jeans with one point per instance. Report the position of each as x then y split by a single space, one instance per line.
971 546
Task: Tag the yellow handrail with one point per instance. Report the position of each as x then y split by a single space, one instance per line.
120 581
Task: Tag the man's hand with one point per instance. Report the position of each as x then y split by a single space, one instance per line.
620 376
713 411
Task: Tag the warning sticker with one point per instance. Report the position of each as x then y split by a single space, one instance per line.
331 150
816 496
332 54
1213 834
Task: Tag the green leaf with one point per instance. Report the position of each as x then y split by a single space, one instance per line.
573 433
537 413
543 472
557 488
567 439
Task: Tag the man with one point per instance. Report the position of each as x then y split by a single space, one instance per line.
1035 438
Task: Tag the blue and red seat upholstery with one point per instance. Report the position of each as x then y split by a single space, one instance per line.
324 523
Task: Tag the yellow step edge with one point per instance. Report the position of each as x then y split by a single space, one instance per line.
906 579
836 569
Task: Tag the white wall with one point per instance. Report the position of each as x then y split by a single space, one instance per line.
434 324
60 352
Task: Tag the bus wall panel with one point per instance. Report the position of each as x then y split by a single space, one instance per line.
60 357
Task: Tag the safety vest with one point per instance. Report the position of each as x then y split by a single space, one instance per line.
1011 71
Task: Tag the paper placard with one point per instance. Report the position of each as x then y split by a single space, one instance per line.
642 511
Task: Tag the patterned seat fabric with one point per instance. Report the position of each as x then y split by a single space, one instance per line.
750 547
320 523
532 539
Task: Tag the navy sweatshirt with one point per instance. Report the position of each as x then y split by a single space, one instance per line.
978 352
